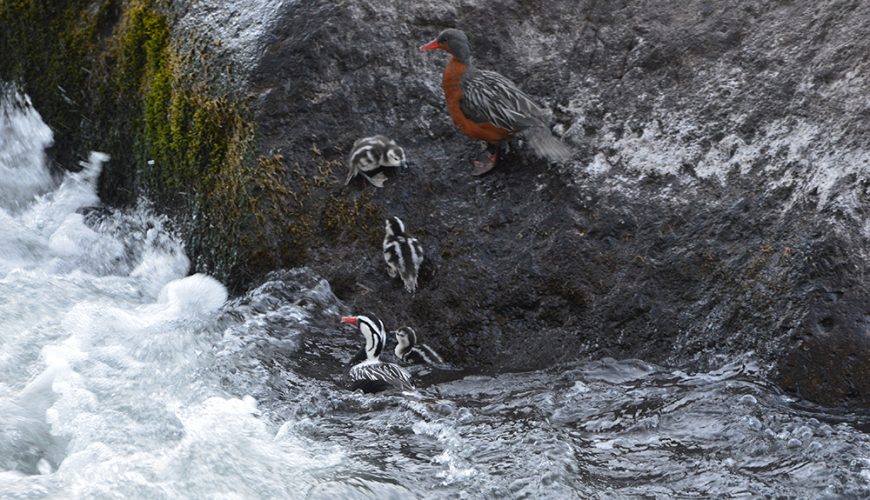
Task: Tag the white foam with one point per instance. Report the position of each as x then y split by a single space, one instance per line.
78 190
196 294
458 467
23 139
108 355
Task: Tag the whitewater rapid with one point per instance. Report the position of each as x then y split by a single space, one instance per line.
105 380
121 376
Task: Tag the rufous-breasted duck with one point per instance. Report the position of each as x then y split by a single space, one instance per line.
487 106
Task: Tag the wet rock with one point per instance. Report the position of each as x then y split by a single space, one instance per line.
709 199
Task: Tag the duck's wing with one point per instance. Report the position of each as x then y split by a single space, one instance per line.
351 171
359 357
488 97
402 376
392 374
428 355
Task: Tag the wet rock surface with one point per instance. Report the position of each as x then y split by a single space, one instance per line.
716 204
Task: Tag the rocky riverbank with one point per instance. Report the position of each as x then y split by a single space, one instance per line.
717 202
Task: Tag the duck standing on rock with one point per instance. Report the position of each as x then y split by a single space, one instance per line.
410 351
403 253
372 375
487 106
371 153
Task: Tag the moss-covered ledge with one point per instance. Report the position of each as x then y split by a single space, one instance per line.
107 75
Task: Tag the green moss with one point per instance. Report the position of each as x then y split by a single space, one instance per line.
50 49
359 213
107 76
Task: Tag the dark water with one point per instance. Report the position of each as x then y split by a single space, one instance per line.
122 378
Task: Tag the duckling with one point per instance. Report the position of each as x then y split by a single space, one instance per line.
371 153
403 253
409 351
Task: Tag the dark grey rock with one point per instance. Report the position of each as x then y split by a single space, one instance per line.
717 204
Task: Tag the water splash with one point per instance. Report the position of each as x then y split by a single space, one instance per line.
23 140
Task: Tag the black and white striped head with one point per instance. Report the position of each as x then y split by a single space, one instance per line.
372 330
453 41
394 157
406 338
395 227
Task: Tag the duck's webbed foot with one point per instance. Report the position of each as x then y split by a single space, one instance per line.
377 180
489 159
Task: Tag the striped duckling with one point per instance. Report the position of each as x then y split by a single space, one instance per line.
412 352
370 154
403 253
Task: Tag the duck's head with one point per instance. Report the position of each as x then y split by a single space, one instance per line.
395 156
372 330
454 42
406 337
394 226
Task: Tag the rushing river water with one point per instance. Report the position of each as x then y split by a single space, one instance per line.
121 377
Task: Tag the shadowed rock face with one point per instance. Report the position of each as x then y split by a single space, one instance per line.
716 205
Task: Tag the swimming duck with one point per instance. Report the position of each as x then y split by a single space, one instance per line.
373 375
411 351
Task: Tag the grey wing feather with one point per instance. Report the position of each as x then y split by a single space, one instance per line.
489 97
384 372
401 375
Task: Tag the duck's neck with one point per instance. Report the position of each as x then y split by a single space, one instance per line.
402 350
374 346
461 52
453 73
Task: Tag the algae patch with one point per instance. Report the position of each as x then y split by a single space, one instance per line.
112 75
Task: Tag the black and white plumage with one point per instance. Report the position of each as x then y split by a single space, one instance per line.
371 153
372 375
403 253
410 351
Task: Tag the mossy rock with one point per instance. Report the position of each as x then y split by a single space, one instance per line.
107 75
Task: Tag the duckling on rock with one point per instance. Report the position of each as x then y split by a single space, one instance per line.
371 153
411 351
403 253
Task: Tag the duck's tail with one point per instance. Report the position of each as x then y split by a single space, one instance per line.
546 145
410 281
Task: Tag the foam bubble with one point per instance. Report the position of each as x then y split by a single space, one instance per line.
196 294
